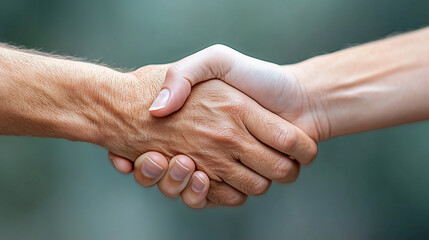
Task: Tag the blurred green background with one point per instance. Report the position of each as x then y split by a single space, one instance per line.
365 186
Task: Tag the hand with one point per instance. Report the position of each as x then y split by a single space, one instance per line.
214 130
180 179
277 88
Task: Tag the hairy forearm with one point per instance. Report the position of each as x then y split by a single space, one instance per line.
372 86
50 97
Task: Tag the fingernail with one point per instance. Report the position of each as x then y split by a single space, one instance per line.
161 100
113 162
178 171
197 184
150 169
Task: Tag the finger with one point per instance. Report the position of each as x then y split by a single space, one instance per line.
246 180
210 63
211 204
177 178
195 194
278 133
149 168
268 162
121 164
222 194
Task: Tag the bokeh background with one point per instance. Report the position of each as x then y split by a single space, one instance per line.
366 186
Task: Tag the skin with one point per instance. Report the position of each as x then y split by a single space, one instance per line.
328 95
375 85
228 136
169 186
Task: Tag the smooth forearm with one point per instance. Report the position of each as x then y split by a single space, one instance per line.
372 86
49 97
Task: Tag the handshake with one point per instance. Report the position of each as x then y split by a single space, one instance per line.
218 125
226 142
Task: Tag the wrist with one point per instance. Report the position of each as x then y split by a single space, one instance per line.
90 92
367 87
120 104
314 115
110 97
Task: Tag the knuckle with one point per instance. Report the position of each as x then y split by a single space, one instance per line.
260 186
220 194
312 152
281 170
219 48
293 179
230 137
236 200
235 104
285 138
292 176
176 71
173 70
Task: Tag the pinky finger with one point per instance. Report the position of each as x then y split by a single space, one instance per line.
121 164
195 194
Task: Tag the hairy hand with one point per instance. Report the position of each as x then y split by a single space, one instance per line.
218 128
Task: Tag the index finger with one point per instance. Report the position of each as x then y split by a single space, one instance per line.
280 134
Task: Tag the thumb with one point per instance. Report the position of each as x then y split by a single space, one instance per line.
211 63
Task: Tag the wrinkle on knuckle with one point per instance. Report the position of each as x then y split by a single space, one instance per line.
216 192
293 174
281 170
220 194
230 137
285 138
214 166
259 187
215 52
236 106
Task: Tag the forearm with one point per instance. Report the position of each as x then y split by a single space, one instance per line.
372 86
50 97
